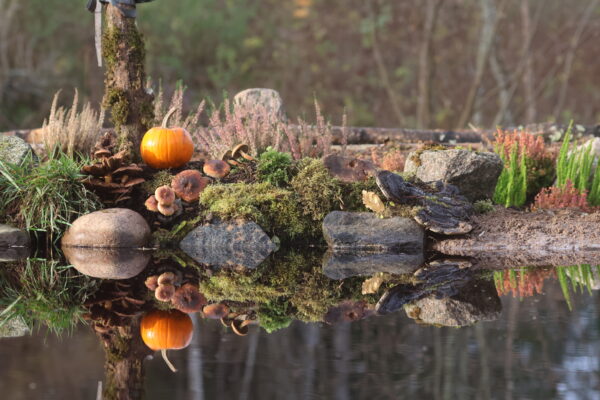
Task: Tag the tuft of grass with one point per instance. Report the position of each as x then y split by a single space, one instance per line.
580 277
74 132
511 189
45 197
44 292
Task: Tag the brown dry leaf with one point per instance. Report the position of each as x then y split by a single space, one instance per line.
373 202
371 285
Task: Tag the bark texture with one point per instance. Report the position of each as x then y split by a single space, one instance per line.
125 93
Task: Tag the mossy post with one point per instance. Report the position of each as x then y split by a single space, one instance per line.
124 86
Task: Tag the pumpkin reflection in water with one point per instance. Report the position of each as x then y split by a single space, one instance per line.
167 330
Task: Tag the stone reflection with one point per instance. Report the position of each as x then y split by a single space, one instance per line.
107 263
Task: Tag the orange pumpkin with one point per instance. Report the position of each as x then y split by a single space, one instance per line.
164 147
164 330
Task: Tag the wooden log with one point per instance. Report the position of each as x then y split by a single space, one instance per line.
510 239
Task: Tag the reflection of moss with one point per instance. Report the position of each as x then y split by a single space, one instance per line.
239 286
275 210
274 315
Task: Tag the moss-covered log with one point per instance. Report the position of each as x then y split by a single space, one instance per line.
125 94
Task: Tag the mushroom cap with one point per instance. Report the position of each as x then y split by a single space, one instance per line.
164 195
166 278
240 327
151 204
226 155
152 282
188 299
164 292
216 169
215 311
238 150
189 184
167 211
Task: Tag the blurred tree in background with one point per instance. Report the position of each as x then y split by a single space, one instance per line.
428 63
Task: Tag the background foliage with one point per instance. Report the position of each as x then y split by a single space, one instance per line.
388 63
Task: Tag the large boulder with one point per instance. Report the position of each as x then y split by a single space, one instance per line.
110 228
267 99
14 150
228 244
474 173
365 231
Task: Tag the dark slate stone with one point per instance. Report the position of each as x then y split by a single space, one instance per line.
228 244
365 231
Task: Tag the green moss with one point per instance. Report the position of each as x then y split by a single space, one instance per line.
276 210
352 194
239 286
483 206
116 100
318 193
161 178
274 167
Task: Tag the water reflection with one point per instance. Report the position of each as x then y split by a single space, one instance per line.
517 331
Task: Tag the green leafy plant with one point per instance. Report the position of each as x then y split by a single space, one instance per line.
47 196
511 189
576 277
275 167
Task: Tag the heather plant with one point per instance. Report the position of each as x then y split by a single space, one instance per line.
71 131
567 196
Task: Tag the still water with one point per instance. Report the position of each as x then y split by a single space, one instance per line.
536 349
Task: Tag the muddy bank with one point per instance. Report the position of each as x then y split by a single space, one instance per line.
508 239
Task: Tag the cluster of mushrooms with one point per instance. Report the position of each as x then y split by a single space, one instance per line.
167 288
187 185
238 322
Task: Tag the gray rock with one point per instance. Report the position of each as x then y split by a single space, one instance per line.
13 237
477 301
228 244
9 254
15 327
474 173
107 263
344 264
365 231
14 150
110 228
268 99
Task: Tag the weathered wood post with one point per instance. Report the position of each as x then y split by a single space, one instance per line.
125 93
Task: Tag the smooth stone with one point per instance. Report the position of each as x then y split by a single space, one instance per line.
13 237
366 231
110 228
268 99
15 327
107 263
340 265
228 244
14 150
474 173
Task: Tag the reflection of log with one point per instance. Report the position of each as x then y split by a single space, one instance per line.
509 239
123 368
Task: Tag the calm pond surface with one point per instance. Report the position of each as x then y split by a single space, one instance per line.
539 346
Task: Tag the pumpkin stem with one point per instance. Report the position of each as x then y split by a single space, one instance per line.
163 352
167 116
